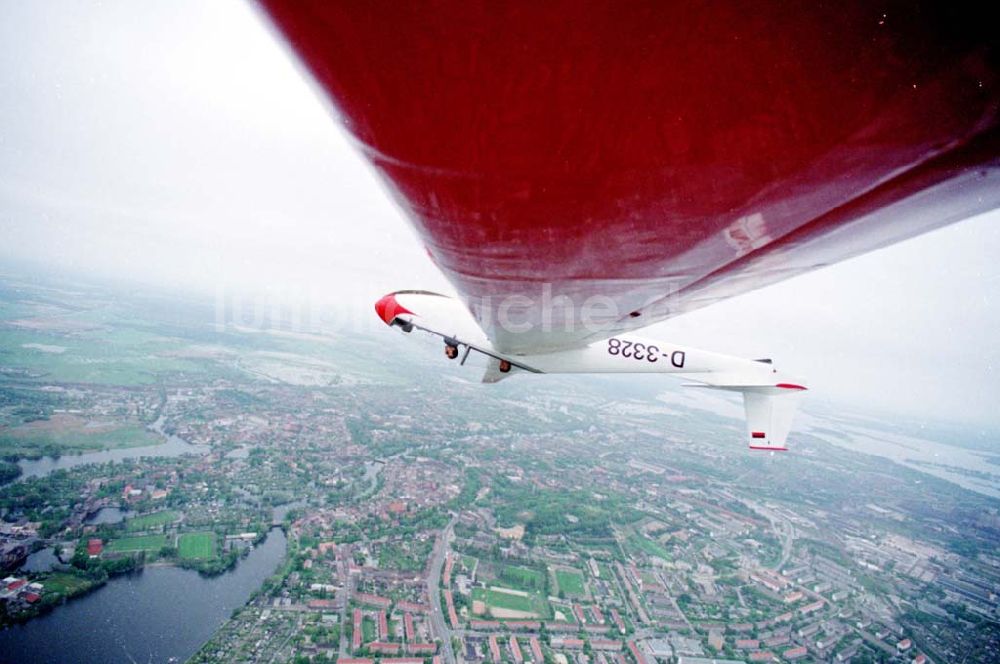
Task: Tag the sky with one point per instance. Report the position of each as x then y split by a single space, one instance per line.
176 144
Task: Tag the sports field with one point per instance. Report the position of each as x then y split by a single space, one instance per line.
196 546
147 521
525 602
139 543
522 578
570 582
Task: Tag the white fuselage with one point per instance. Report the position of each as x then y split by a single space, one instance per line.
769 398
626 353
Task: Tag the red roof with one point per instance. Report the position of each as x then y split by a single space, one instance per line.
94 547
31 598
523 624
413 606
375 600
15 585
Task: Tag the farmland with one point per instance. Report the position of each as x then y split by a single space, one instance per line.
63 432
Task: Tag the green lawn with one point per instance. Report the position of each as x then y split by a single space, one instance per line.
570 582
647 578
521 578
648 547
367 630
530 603
197 545
138 543
147 521
64 584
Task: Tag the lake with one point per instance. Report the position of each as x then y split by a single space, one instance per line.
161 614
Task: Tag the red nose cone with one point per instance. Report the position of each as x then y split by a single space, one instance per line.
387 308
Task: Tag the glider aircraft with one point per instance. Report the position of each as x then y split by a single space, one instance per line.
580 170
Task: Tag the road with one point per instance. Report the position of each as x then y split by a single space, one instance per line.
343 597
787 531
783 527
438 621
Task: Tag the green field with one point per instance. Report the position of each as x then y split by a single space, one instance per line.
530 603
138 543
367 630
197 546
521 578
570 582
63 432
649 547
147 521
65 584
102 352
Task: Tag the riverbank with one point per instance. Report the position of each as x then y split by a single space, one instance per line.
169 446
58 588
59 433
60 583
154 614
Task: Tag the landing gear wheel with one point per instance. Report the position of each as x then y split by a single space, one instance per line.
451 352
504 366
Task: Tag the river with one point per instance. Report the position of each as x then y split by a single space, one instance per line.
172 446
161 614
968 469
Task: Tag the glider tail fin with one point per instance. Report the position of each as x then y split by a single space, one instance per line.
770 409
769 414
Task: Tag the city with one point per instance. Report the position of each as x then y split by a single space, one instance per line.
415 516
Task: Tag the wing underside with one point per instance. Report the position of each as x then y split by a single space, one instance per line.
633 164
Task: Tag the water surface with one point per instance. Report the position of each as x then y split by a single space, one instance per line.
160 614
